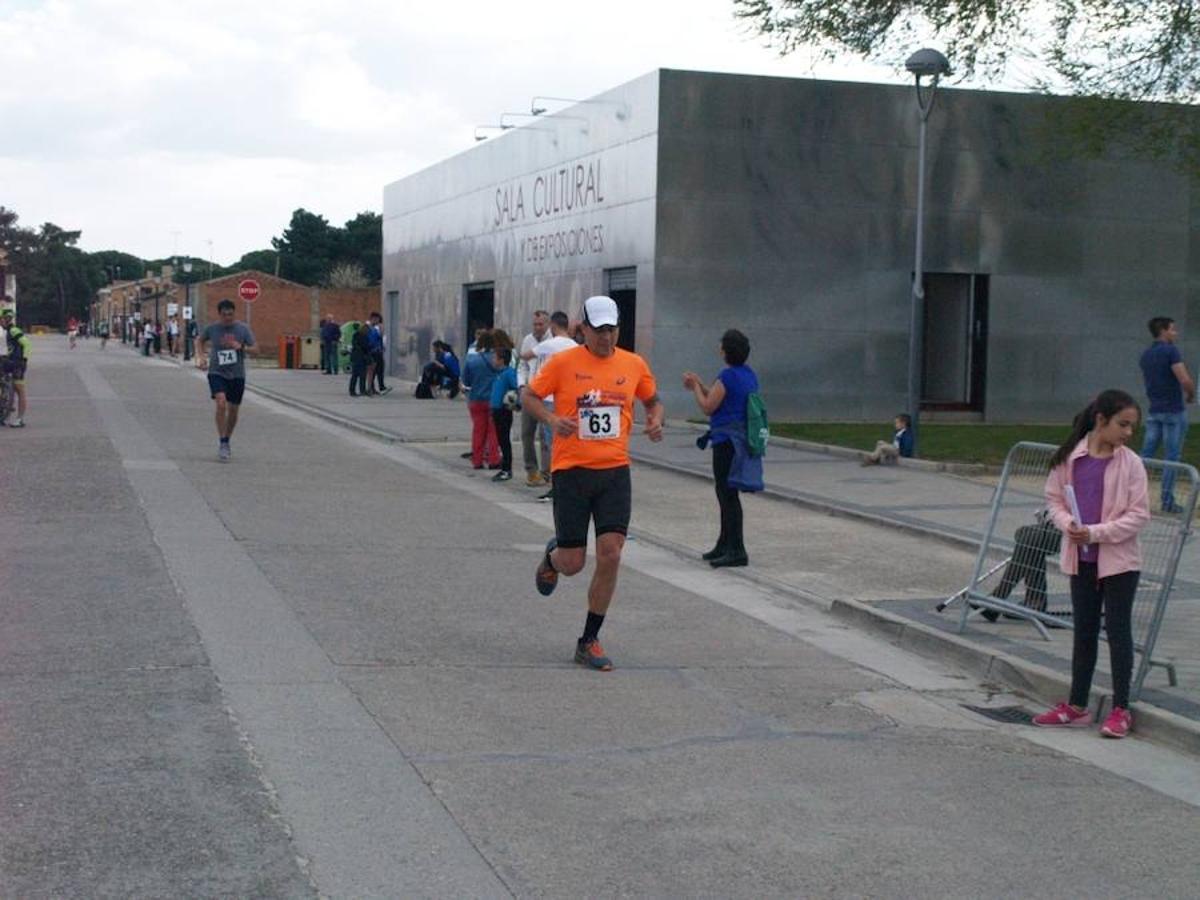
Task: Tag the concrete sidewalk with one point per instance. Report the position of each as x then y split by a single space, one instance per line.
829 561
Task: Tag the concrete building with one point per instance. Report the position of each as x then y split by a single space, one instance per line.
786 208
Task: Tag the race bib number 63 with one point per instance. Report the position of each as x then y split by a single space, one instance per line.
227 357
599 423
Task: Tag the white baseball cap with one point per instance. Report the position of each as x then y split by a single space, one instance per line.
600 310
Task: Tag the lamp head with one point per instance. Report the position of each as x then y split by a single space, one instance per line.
928 63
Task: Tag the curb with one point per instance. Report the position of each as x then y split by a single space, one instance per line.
1045 684
924 465
818 504
1028 678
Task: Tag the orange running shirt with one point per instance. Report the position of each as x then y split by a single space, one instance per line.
597 394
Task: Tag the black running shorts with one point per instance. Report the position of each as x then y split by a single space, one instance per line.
232 388
585 495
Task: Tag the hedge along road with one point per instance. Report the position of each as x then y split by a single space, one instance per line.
403 715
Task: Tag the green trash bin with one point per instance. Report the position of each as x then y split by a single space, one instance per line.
344 345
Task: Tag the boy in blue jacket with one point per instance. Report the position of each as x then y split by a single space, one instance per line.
901 445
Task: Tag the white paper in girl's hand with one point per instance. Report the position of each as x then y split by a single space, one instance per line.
1069 490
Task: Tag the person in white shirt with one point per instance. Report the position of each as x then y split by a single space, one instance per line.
531 434
557 342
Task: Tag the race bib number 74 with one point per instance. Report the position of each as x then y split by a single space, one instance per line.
227 357
599 423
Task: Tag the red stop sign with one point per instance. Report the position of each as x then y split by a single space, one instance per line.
248 290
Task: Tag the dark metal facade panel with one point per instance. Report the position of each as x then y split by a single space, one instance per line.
787 207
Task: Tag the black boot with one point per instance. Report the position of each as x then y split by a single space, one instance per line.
712 554
730 558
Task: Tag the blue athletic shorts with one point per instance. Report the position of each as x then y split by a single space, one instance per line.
232 388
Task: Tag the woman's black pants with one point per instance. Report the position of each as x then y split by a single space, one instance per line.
731 538
1114 595
504 419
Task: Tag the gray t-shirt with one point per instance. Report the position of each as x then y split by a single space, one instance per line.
223 360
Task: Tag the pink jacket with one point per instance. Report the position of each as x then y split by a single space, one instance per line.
1126 509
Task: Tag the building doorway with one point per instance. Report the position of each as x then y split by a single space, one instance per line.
622 287
481 308
955 351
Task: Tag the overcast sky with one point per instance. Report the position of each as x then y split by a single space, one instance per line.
155 127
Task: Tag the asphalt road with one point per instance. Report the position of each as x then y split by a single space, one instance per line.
322 669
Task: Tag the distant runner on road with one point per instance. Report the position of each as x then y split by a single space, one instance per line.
594 387
227 342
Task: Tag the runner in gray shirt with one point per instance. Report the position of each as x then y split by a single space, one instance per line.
227 342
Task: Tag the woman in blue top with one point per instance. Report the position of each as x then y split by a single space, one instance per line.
725 405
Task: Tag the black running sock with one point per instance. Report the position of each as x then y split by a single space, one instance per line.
591 629
224 440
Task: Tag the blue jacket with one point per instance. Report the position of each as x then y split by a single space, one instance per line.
331 331
903 441
479 376
374 338
746 470
506 380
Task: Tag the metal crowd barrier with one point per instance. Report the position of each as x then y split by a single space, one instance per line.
1020 548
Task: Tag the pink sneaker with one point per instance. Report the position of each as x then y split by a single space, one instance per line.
1064 716
1118 723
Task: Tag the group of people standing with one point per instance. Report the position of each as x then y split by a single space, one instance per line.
153 333
366 354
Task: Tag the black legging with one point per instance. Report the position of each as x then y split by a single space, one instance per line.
504 419
1114 595
731 538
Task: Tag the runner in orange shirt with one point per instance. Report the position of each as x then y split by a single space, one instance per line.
594 387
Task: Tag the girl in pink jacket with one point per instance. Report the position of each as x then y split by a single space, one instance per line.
1108 483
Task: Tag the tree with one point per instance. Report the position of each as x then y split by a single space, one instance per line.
261 260
306 248
1095 50
362 244
1125 49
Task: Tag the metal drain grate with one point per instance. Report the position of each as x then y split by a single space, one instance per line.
1012 715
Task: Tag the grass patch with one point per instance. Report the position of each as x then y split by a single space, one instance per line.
947 442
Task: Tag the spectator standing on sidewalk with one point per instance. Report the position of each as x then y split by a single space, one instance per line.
478 378
503 401
375 337
172 335
360 353
147 337
531 434
331 336
1169 387
557 342
725 403
1108 483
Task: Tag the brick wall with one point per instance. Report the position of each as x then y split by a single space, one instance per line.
283 307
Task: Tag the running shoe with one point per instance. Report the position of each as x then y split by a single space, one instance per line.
546 577
547 497
591 654
1064 716
502 475
16 423
1118 723
534 479
224 453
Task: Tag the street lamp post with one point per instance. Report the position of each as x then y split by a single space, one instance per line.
932 65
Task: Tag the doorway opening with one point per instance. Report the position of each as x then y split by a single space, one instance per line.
955 349
622 287
481 308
